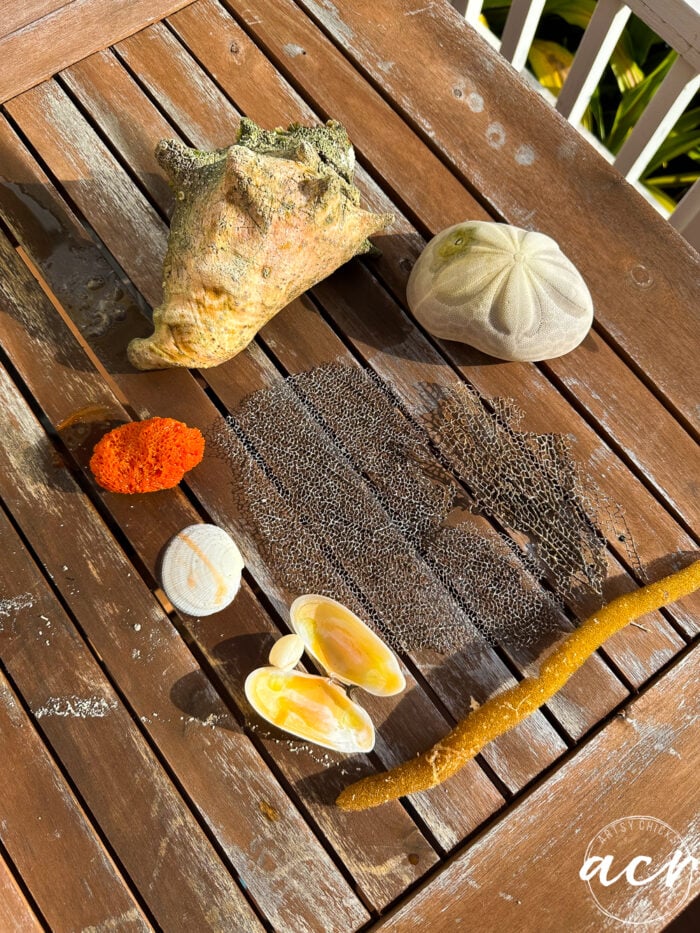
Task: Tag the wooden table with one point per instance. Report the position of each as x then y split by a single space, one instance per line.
134 792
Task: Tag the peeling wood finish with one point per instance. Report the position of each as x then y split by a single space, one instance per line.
41 817
526 869
50 35
148 824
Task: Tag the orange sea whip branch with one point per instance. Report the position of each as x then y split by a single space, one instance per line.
507 709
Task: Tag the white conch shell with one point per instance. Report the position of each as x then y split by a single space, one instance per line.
201 570
508 292
311 708
344 646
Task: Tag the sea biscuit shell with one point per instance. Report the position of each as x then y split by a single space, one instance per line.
201 570
509 292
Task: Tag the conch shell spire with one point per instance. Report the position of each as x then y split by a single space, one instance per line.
254 226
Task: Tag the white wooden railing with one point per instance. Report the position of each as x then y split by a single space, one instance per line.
677 22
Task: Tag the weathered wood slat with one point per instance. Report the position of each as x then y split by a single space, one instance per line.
211 34
15 912
68 32
481 117
597 377
543 840
49 838
485 679
19 15
95 179
361 843
167 856
191 726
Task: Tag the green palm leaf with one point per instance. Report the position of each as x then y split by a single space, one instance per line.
634 103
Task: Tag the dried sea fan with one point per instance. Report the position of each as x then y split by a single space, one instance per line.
254 226
344 495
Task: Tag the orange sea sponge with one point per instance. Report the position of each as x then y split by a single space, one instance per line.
144 456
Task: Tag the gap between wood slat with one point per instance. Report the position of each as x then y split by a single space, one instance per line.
114 388
76 29
136 721
12 868
55 758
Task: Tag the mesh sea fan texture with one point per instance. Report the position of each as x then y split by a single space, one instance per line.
344 495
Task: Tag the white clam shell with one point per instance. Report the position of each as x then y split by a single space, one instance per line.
508 292
286 652
201 570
